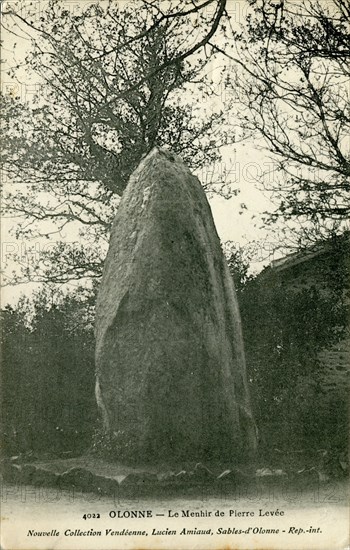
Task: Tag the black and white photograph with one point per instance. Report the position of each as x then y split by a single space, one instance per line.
175 269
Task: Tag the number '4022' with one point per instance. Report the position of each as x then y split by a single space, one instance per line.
91 516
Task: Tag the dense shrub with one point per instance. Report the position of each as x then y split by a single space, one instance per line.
48 402
295 320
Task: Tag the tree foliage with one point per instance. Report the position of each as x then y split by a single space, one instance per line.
47 374
290 80
291 317
118 78
238 261
113 77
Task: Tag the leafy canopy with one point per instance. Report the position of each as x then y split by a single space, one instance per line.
114 80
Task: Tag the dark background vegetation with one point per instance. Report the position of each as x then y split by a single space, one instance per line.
296 326
47 377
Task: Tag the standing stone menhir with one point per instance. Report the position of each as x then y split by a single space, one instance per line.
171 382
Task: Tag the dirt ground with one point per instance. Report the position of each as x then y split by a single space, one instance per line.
318 518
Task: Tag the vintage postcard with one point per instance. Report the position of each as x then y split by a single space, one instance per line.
175 346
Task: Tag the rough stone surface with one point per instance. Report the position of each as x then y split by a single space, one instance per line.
170 369
77 477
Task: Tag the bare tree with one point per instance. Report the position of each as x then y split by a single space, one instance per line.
290 79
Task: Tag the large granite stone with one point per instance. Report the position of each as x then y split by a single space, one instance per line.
170 368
